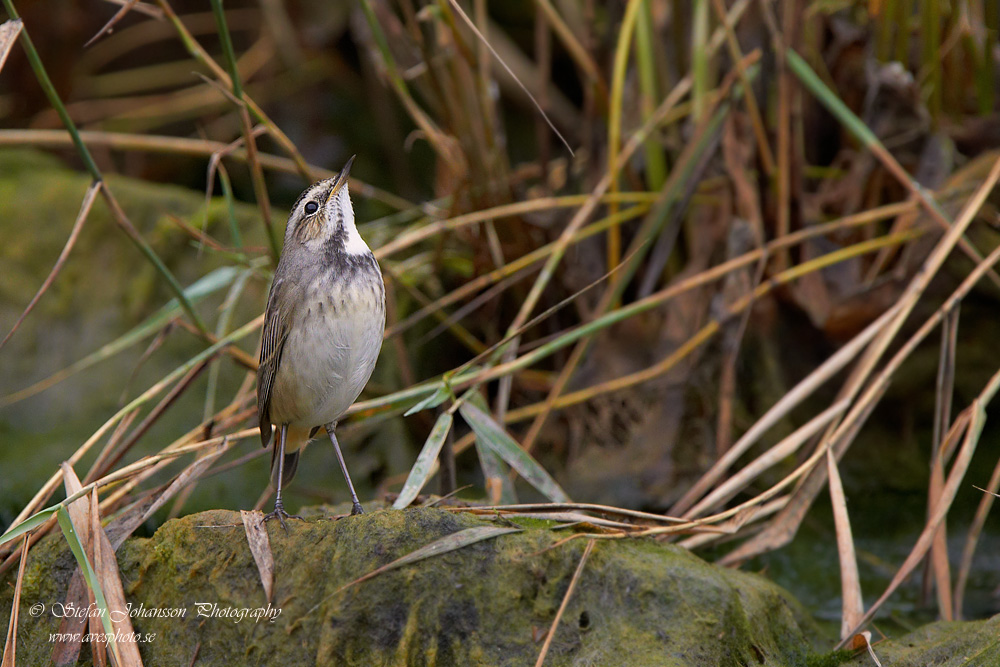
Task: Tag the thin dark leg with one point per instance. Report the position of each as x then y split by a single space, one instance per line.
356 509
279 506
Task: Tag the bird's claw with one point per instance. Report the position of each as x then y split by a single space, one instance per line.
280 513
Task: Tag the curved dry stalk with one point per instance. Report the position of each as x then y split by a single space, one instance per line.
587 507
688 161
565 601
767 460
786 524
85 206
754 515
9 30
969 550
805 388
194 147
978 419
43 494
423 231
852 603
697 340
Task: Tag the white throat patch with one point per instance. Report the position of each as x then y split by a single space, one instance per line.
355 245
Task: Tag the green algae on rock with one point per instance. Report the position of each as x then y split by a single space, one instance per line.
942 644
637 602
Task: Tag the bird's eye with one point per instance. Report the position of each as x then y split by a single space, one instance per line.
311 207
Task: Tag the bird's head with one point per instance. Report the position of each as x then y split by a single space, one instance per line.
323 217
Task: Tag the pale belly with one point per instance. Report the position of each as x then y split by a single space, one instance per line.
327 359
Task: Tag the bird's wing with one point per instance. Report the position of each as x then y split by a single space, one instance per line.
272 342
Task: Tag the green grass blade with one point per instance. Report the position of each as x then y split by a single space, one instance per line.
437 398
421 470
227 193
656 162
29 524
829 99
494 437
225 317
207 284
453 542
699 60
69 532
499 484
227 47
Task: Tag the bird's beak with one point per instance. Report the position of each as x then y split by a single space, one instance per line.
341 178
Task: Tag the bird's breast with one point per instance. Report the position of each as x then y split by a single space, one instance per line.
332 346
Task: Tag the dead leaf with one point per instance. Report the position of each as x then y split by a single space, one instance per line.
853 608
462 538
106 568
9 30
260 547
864 640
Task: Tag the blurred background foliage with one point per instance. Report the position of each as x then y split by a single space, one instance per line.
466 190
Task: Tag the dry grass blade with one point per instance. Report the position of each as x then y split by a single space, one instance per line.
260 547
779 410
942 416
969 550
458 540
784 527
482 38
106 567
9 30
88 202
194 147
585 507
863 640
10 646
49 487
109 26
66 649
77 521
79 510
771 457
187 476
751 515
565 601
978 413
853 606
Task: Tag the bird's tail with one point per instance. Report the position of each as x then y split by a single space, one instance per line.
295 442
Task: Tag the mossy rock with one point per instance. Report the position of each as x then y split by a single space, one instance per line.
943 644
637 602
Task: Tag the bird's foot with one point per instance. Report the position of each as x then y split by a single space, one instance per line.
280 513
357 509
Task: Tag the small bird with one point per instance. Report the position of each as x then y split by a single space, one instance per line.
322 332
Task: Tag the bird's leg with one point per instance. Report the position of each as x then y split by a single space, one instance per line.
279 506
357 508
